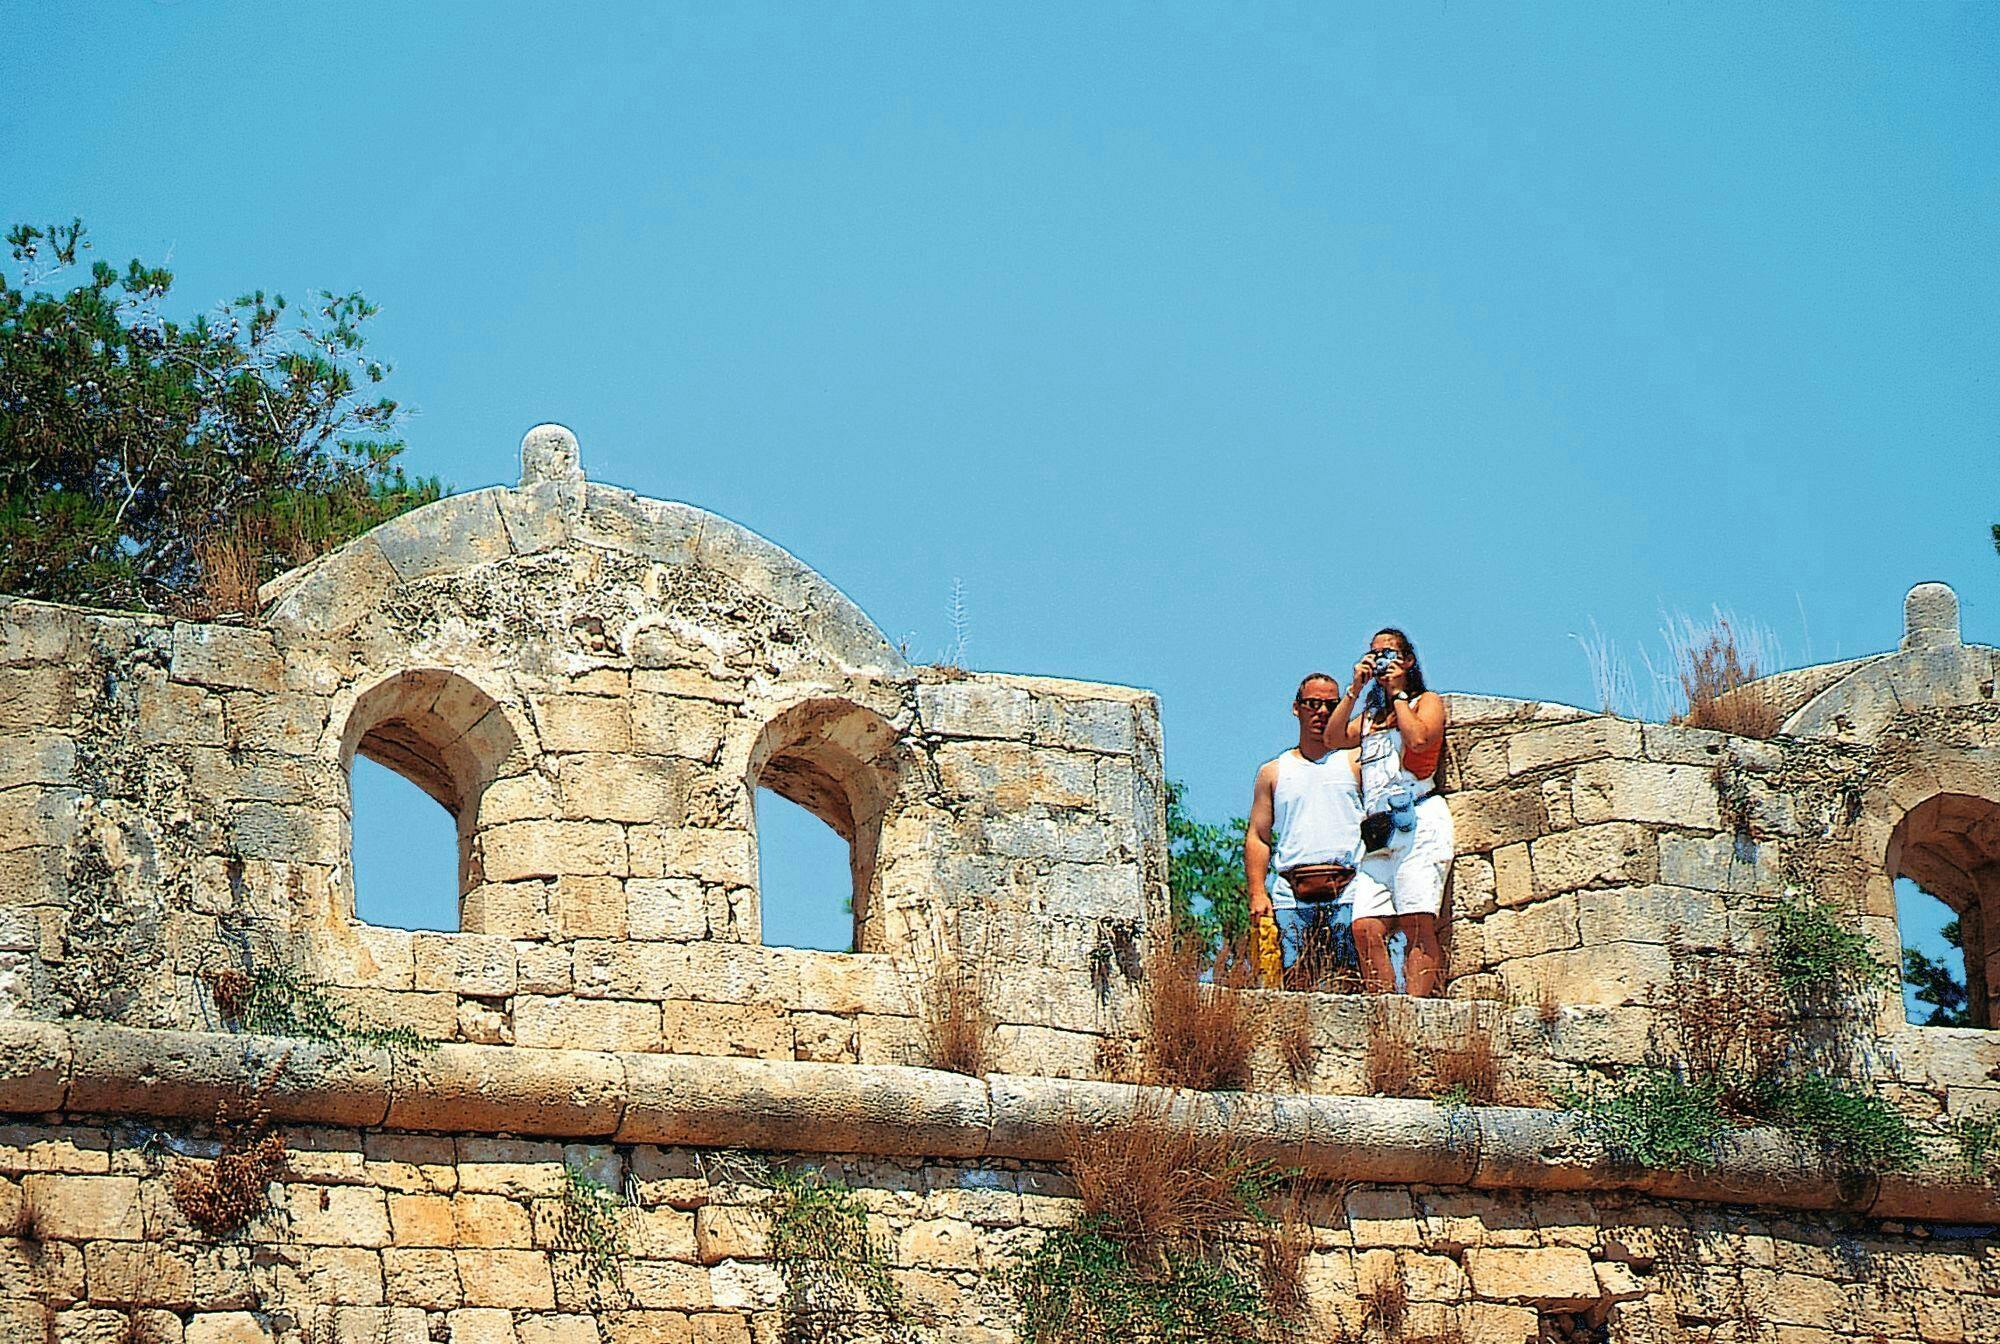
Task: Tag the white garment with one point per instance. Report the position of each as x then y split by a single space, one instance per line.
1408 878
1316 815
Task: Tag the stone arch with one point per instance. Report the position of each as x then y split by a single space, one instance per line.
838 761
443 733
1949 844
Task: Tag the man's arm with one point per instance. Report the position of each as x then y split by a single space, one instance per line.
1257 842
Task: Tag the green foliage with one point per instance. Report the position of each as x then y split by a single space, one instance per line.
1205 872
836 1274
1855 1129
272 1002
1937 984
173 465
1656 1118
1811 946
1978 1138
589 1222
1085 1285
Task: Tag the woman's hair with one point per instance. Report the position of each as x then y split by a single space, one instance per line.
1415 681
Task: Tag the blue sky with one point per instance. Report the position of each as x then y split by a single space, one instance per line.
1196 341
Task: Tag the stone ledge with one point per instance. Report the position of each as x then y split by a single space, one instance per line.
887 1110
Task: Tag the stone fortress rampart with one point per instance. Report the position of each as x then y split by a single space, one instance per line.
595 685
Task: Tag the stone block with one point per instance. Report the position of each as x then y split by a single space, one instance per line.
517 1279
1513 876
1010 777
585 1024
338 1215
1105 726
975 708
757 1031
227 1327
600 786
1488 818
234 657
345 1276
464 963
508 910
588 723
1665 795
745 1287
84 1208
1564 743
481 1325
1546 926
1382 1217
558 1329
422 1220
649 1327
1474 893
1602 973
665 909
938 1243
1656 914
1718 863
825 1039
530 849
724 857
490 1221
692 728
1094 890
731 1232
1615 853
139 1274
290 723
453 533
589 907
1559 1277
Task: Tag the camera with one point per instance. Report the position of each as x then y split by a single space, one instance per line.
1383 659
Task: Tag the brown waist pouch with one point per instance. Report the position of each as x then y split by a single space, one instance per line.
1318 881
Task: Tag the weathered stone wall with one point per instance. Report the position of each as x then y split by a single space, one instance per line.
381 1237
594 685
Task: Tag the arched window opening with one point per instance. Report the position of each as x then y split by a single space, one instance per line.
433 733
406 858
804 888
1934 993
1946 853
834 762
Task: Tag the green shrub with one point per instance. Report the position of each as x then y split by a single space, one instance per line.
1811 946
1978 1138
1856 1130
274 1002
589 1222
1083 1285
836 1274
1656 1118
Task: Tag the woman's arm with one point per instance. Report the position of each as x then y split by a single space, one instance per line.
1421 720
1343 729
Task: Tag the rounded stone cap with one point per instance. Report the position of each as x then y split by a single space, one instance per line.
549 453
1930 617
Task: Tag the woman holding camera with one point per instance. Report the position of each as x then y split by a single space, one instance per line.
1397 725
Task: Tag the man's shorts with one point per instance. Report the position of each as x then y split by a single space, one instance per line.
1408 881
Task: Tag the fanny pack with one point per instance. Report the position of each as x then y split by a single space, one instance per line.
1315 882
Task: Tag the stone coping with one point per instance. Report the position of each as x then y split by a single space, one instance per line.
95 1068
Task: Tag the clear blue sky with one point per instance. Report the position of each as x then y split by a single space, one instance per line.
1197 341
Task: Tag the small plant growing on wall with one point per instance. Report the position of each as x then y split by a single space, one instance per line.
221 1196
590 1224
837 1281
275 1002
1813 948
1150 1257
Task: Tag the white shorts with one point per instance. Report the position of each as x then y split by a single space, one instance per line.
1408 880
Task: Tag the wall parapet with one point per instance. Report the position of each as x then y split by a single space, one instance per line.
97 1069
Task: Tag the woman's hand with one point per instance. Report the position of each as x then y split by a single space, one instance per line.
1393 681
1364 672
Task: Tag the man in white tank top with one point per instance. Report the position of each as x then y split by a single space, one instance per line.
1305 818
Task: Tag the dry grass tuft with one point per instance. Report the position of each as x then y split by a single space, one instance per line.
1548 1008
1199 1036
1282 1252
230 988
956 1025
1393 1067
1468 1068
1723 1019
1326 961
1385 1308
221 1196
1715 676
1157 1179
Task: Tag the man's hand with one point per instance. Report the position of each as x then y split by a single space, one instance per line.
1260 905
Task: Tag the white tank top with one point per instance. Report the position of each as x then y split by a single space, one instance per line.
1382 765
1315 810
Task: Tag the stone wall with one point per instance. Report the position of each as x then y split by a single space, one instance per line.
382 1237
594 685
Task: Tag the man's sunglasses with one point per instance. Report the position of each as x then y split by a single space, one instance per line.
1315 702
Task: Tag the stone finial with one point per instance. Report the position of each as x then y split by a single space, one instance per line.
1930 617
549 454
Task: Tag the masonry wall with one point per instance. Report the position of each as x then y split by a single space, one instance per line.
395 1238
595 685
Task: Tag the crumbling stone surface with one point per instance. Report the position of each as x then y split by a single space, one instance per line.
595 685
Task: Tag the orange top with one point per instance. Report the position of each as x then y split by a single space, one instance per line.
1423 764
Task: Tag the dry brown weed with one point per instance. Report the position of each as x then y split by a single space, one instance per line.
1468 1066
1198 1035
1716 677
1393 1066
1158 1178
